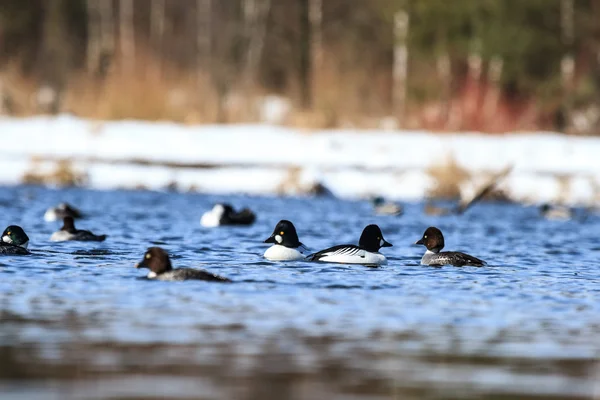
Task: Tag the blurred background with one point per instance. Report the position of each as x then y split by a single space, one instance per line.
463 65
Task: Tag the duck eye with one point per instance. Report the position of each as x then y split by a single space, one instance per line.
378 238
8 233
148 256
425 236
281 233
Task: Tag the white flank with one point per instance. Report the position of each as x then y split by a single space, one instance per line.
282 253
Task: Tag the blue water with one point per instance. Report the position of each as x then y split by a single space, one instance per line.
78 321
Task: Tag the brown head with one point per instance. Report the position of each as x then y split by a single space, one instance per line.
68 224
432 239
156 260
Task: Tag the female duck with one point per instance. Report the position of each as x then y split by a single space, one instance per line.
433 240
158 262
68 232
287 246
366 253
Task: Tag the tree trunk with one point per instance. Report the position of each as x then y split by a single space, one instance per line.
256 15
203 38
55 57
305 55
126 35
316 27
94 48
400 67
157 32
107 35
567 65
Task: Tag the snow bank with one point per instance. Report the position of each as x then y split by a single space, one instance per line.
261 158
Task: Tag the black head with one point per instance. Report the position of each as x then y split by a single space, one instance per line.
378 201
284 234
156 260
372 239
68 224
432 239
14 234
68 209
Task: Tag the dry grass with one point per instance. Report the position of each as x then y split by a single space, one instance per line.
62 173
449 177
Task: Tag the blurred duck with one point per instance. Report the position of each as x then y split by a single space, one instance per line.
14 241
556 212
286 245
60 211
158 262
366 253
381 207
433 240
224 214
69 232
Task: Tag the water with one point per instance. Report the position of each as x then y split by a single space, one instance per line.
78 321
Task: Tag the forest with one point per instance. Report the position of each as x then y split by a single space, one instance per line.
480 65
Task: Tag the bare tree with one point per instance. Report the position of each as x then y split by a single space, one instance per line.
203 37
126 35
400 68
256 13
316 27
107 34
567 64
157 30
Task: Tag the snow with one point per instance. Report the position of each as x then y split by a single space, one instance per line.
260 159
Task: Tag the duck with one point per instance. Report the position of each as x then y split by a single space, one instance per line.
433 240
556 212
158 262
366 253
60 211
224 214
382 207
14 241
69 232
286 245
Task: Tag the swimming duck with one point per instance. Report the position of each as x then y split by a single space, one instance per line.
556 212
14 241
60 211
158 262
366 253
433 240
381 207
69 232
224 214
287 246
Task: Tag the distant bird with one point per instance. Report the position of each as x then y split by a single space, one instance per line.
224 214
381 207
69 232
158 262
556 212
60 211
366 253
14 241
433 240
286 245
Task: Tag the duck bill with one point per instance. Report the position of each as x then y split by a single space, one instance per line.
420 241
140 265
385 243
270 239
